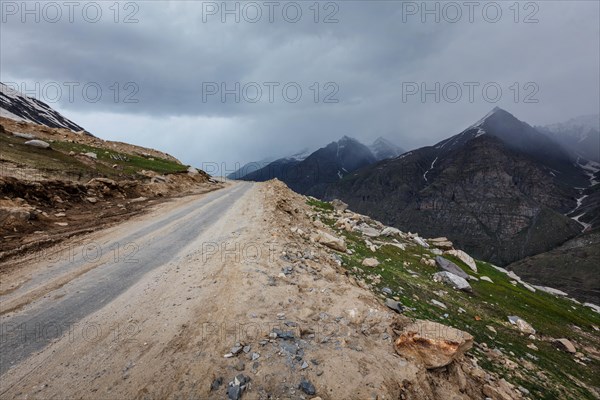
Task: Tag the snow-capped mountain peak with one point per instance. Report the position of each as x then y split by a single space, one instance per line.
19 107
383 148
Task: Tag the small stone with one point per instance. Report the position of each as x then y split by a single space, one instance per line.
307 387
387 290
92 200
304 365
255 356
61 223
438 303
286 335
236 349
246 349
487 279
234 392
532 346
216 384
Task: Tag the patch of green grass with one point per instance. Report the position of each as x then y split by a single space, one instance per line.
130 163
319 205
489 305
58 161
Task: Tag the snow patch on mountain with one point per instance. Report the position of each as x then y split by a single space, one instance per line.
19 107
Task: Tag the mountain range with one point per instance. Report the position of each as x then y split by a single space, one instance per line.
503 190
311 174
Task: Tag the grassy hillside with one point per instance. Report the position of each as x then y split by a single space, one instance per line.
547 373
66 158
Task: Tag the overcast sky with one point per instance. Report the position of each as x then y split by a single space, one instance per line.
372 57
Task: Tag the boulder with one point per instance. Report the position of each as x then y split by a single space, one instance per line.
390 231
434 345
339 205
495 393
91 155
464 257
453 280
394 305
38 143
345 223
521 324
331 241
420 242
441 243
370 262
192 171
367 230
449 266
566 345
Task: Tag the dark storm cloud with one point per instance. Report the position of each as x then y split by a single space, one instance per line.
370 55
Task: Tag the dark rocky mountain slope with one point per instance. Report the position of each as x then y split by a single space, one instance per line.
500 190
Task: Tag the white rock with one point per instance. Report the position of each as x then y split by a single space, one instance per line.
453 280
521 324
38 143
367 230
192 171
420 242
551 291
464 257
487 279
390 231
370 262
438 303
92 200
91 155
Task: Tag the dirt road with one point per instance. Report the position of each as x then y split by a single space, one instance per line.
157 307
